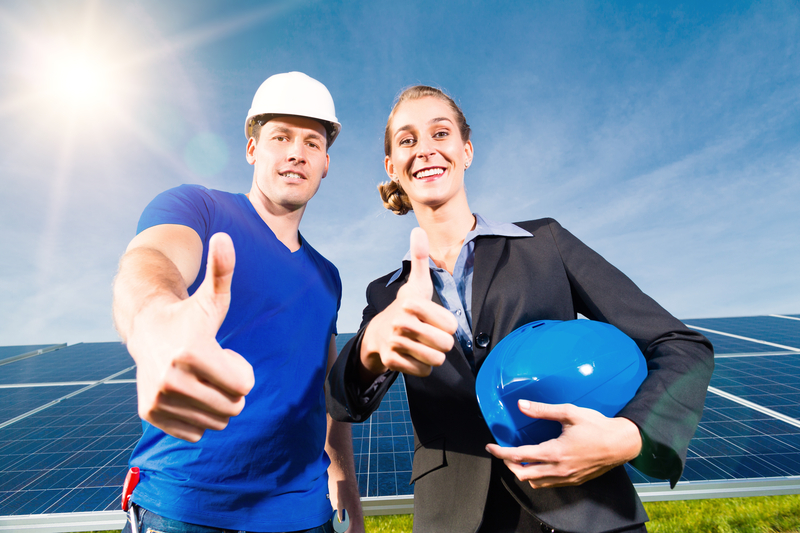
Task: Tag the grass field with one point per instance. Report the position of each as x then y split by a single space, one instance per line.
772 514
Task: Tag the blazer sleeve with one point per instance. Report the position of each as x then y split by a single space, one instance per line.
669 404
346 398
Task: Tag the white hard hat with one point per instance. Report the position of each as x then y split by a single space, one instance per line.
294 93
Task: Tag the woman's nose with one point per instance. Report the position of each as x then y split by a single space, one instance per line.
424 148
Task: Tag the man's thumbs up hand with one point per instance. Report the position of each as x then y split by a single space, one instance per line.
413 334
186 382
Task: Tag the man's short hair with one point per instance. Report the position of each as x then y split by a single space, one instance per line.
260 120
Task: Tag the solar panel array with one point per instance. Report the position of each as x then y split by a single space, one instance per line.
68 420
67 428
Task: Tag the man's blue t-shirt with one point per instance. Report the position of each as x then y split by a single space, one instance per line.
267 471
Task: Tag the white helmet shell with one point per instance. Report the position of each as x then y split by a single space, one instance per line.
294 93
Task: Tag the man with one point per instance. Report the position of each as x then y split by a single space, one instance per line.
231 361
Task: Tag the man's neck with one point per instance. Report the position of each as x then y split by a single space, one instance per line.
285 224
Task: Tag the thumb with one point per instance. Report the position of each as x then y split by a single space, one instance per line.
214 294
420 277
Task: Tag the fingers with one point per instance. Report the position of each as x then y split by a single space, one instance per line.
214 294
563 413
420 277
224 369
409 336
411 357
523 454
539 465
194 396
590 444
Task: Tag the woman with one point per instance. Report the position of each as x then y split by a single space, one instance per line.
489 279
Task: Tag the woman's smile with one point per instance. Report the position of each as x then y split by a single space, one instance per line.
429 173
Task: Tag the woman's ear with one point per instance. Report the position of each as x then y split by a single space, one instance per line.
468 154
389 166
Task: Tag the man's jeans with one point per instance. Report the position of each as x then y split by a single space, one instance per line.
152 523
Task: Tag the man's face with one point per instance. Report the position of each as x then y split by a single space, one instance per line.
290 160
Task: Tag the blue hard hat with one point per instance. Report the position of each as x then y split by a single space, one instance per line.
582 362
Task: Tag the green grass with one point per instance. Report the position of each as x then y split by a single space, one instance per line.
769 514
772 514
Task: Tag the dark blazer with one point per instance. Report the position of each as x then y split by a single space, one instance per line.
517 280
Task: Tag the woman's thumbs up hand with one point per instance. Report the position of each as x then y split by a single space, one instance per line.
413 334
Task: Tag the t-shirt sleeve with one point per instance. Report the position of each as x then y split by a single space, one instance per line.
186 205
338 297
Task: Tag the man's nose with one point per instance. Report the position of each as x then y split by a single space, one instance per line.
297 152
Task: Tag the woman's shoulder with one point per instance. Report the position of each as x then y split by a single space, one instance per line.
539 223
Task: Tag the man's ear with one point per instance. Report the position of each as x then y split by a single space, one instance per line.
250 151
327 164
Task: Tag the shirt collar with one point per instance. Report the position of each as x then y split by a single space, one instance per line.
483 227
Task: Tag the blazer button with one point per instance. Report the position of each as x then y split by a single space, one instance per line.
482 340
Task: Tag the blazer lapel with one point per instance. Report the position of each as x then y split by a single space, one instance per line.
487 255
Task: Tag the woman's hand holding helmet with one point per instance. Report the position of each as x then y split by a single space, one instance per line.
590 445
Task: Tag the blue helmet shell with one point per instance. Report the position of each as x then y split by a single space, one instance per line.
582 362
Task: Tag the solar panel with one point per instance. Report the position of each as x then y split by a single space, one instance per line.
71 456
70 453
7 352
772 329
17 401
76 363
383 446
730 345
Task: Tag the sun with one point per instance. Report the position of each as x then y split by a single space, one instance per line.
79 78
72 79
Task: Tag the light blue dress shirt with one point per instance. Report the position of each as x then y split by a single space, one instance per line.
455 291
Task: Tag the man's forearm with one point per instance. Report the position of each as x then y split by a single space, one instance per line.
342 483
145 274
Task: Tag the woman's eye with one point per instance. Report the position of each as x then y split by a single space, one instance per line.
441 134
406 141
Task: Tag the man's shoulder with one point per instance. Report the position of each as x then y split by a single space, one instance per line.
193 190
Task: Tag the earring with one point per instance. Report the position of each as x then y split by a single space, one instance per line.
466 165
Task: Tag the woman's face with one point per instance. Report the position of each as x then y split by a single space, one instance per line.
428 156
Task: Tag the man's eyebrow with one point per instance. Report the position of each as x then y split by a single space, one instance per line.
288 131
279 129
315 134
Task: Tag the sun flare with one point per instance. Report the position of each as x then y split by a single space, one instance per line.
75 80
80 79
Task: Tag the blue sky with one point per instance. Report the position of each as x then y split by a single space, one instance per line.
664 135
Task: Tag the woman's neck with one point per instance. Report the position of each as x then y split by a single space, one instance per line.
447 227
